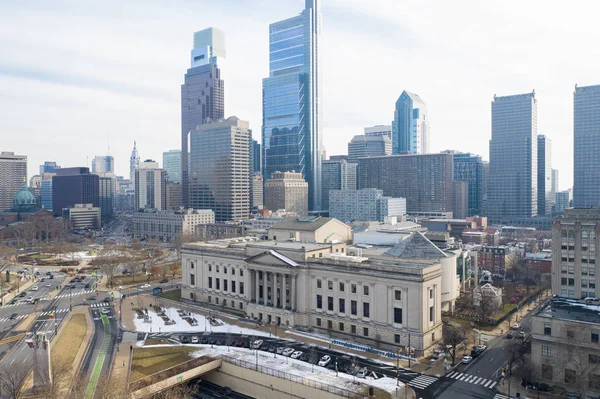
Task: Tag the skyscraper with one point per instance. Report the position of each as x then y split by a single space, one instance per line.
291 128
512 187
150 186
13 176
220 168
368 146
544 176
134 163
172 165
586 132
337 175
287 190
555 186
73 186
256 156
470 168
103 164
379 130
48 167
202 93
410 128
107 194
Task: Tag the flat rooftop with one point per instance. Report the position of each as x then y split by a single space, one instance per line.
584 310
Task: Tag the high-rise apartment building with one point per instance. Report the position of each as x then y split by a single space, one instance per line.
287 190
13 176
73 186
460 207
562 201
555 186
48 167
586 133
292 103
337 175
368 146
103 164
173 196
512 187
134 163
368 204
379 130
150 186
470 168
426 181
172 165
544 176
256 156
257 198
202 94
107 193
410 128
219 175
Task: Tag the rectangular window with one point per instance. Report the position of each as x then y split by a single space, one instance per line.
563 281
398 295
365 331
570 376
318 322
353 329
594 381
396 338
353 288
342 287
431 314
241 273
233 286
318 283
218 284
192 265
232 304
593 359
353 308
242 287
547 329
210 282
217 300
341 325
241 305
192 279
217 268
595 335
570 334
398 315
546 350
366 309
209 299
224 285
330 285
319 302
342 305
225 269
547 372
330 303
233 271
260 275
365 290
430 294
330 324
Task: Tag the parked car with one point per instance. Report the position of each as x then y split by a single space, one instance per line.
23 294
288 351
280 350
164 280
296 354
467 359
522 334
509 335
272 348
362 373
516 326
204 340
257 344
107 299
325 360
184 339
194 340
476 352
239 343
481 347
145 286
34 288
304 357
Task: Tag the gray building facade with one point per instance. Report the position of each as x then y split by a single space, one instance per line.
337 175
368 146
544 180
13 176
368 204
256 156
172 165
470 168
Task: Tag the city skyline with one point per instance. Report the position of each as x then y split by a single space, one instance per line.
133 87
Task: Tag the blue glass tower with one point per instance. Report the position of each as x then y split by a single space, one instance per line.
291 128
410 130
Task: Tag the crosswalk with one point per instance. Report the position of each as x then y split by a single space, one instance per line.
99 305
55 311
500 396
22 316
472 379
75 294
422 381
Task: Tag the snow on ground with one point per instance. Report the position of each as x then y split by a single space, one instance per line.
158 325
298 368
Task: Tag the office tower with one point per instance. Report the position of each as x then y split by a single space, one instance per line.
574 270
562 201
555 186
35 186
586 132
338 158
460 207
257 199
150 186
219 174
103 164
337 175
173 196
172 165
13 176
425 180
287 190
202 94
470 168
410 128
379 130
48 167
73 186
544 176
46 195
368 146
292 103
134 163
512 187
368 204
108 194
256 156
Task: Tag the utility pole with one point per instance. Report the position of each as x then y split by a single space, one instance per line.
398 367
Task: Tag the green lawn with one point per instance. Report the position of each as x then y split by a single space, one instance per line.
174 295
148 361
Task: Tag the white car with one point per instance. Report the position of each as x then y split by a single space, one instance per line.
296 354
467 359
362 373
325 360
194 340
481 347
49 285
145 286
287 351
257 344
516 326
34 288
106 310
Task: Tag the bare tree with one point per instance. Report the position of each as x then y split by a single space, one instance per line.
452 338
486 307
135 268
175 269
181 239
516 349
108 262
12 381
58 382
581 369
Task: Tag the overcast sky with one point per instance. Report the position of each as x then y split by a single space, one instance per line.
73 74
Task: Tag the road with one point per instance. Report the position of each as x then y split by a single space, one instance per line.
208 390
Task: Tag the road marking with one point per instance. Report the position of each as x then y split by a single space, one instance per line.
477 381
463 377
491 386
452 374
500 396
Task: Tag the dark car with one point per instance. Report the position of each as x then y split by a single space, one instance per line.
48 273
239 343
185 339
87 286
51 277
164 280
211 341
13 302
22 295
107 299
476 352
304 357
13 316
204 340
272 348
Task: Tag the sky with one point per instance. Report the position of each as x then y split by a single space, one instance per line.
82 78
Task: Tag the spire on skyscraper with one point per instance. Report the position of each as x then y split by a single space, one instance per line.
134 162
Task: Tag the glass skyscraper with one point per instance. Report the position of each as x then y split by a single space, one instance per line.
544 181
586 132
172 165
470 168
291 126
512 187
202 93
410 128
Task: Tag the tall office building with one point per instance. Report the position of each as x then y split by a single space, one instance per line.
103 164
13 176
512 188
379 130
287 190
562 201
586 132
256 156
368 204
460 207
150 186
337 175
73 186
48 167
172 165
108 194
544 176
292 132
134 163
173 196
426 181
46 195
368 146
470 168
555 186
410 128
219 174
202 94
257 194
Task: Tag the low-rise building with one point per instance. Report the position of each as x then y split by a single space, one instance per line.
310 229
540 260
368 204
168 225
494 260
83 216
219 231
287 190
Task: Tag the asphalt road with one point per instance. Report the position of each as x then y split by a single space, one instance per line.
208 390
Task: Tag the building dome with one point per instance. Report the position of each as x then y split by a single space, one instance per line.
24 200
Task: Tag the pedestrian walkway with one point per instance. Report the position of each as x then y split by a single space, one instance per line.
422 381
99 305
500 396
22 316
75 294
472 379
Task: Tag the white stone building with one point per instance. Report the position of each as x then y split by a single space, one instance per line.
168 225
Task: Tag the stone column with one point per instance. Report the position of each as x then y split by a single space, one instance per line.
283 290
293 293
390 307
266 287
257 283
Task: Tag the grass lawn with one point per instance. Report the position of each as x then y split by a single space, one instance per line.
69 342
147 361
128 280
174 295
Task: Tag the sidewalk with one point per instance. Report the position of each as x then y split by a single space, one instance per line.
515 387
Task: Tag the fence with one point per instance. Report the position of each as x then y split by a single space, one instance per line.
295 378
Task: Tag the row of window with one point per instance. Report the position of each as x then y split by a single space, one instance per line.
366 308
594 336
570 375
232 269
225 285
224 302
353 289
585 234
365 330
